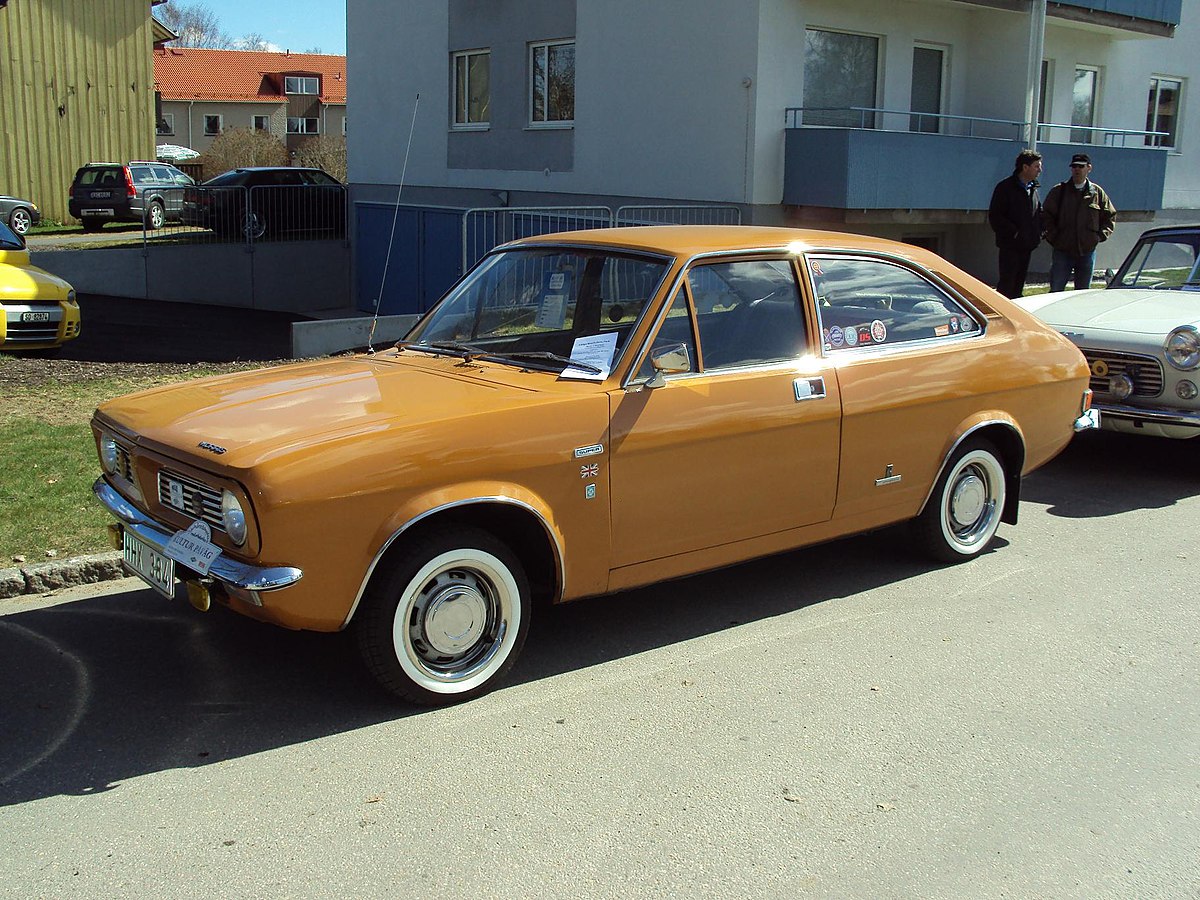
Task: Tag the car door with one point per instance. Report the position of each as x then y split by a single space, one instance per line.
744 443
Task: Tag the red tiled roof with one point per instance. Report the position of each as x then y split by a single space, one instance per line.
185 73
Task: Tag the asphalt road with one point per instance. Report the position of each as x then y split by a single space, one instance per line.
841 721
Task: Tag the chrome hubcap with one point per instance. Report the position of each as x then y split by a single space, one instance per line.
455 619
968 500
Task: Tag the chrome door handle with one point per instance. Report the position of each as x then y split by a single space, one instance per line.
809 388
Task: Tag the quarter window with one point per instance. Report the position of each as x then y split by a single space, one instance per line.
212 125
869 302
748 312
297 84
552 83
472 87
1162 111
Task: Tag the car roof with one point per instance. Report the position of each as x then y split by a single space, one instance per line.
1164 229
690 240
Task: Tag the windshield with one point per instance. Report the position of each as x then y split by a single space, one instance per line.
9 240
544 304
1162 261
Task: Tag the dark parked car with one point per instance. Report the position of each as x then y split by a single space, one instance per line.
254 202
138 191
19 215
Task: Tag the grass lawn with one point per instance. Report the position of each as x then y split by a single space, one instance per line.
49 457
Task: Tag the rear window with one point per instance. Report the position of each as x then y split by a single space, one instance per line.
92 176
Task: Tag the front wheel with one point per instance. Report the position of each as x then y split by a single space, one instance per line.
20 220
447 620
156 217
962 515
254 226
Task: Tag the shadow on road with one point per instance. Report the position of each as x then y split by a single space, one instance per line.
104 690
1104 473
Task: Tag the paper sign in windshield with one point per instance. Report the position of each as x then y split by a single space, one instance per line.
596 350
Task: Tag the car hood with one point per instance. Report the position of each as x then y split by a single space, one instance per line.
246 418
21 282
1131 311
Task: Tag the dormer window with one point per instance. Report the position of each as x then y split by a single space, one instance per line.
301 84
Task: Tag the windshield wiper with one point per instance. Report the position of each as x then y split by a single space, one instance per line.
551 357
466 351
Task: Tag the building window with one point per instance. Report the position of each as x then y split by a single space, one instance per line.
1083 104
212 125
552 83
841 78
1162 111
166 125
260 123
297 84
472 87
298 125
1047 79
343 126
928 66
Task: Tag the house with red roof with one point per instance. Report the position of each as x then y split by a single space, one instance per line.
200 93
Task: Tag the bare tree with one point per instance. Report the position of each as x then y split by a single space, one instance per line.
253 41
237 147
196 25
326 152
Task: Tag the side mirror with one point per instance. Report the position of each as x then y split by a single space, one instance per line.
670 359
1109 275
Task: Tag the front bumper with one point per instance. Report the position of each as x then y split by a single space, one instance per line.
1147 415
1088 421
230 572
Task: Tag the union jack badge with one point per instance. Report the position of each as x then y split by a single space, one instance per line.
590 471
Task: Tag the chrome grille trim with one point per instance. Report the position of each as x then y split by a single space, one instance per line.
124 463
200 501
1145 371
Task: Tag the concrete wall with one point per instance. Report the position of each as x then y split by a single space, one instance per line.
307 277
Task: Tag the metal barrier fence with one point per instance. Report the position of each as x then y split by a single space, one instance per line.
249 215
485 228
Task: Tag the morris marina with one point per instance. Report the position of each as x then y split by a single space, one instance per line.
1140 335
585 413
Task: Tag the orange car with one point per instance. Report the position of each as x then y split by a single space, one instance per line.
588 412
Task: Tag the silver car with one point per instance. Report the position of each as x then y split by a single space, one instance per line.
1140 335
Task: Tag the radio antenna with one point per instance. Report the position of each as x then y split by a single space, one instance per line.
395 215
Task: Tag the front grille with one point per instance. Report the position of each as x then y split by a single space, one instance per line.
1144 371
19 332
124 464
190 497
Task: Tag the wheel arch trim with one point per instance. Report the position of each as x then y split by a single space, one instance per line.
498 499
1013 473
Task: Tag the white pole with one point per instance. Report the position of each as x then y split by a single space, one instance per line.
1037 43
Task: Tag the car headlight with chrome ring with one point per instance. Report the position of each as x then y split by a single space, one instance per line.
109 453
1182 347
233 518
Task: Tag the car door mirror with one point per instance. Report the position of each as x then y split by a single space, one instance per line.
1109 275
670 359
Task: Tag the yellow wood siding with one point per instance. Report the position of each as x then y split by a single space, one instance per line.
76 86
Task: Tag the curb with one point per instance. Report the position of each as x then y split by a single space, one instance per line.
53 576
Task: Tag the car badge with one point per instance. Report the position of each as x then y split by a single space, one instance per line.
211 448
589 471
1100 368
593 450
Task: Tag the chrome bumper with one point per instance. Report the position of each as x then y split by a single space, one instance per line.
225 570
1088 421
1157 416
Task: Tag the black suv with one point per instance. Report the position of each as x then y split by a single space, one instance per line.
138 191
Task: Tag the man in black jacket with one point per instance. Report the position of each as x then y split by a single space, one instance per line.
1015 215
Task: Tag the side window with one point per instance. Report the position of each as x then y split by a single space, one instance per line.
748 312
869 302
162 173
140 174
676 328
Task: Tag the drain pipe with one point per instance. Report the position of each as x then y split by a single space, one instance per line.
1033 81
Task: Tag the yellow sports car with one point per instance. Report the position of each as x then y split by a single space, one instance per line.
40 310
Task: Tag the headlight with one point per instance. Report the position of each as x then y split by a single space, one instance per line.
1183 347
233 517
109 454
1186 390
71 297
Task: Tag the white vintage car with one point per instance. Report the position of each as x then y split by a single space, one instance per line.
1140 335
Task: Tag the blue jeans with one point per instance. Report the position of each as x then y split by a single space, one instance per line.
1063 264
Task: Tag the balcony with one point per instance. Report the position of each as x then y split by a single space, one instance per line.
941 162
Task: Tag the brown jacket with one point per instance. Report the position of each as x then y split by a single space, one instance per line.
1077 220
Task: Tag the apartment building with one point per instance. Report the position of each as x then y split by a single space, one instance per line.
890 117
294 96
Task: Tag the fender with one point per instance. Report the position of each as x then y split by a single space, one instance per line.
973 425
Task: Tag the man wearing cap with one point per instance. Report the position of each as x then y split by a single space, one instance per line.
1078 215
1015 215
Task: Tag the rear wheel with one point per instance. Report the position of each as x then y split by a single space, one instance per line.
20 220
962 515
90 226
447 619
156 217
254 226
